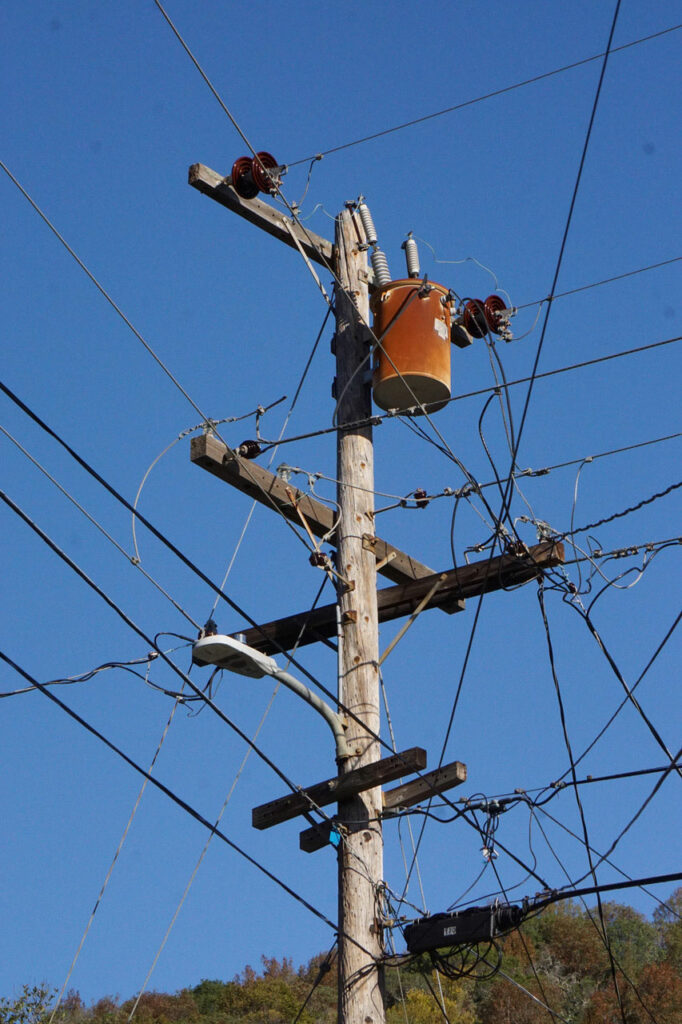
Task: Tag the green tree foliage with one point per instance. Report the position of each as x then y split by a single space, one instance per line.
557 959
28 1008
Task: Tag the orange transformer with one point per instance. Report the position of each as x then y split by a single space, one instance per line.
412 362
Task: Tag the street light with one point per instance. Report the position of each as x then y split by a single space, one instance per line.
226 652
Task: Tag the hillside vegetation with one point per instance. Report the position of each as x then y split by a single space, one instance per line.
557 957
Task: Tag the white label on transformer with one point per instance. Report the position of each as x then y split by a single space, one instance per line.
441 328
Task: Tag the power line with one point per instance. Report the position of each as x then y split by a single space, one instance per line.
581 811
485 96
562 248
598 284
627 511
168 792
102 291
133 561
375 421
136 629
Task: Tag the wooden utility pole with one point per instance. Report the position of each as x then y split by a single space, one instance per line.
361 850
360 554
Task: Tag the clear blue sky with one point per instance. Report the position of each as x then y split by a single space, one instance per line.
103 112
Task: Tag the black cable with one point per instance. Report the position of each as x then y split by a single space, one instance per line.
606 860
628 691
610 887
169 793
569 751
323 969
598 284
625 512
132 625
562 247
377 420
638 813
632 689
486 96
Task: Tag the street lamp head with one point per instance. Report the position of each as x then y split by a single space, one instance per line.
226 652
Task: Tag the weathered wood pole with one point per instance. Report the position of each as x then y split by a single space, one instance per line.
361 850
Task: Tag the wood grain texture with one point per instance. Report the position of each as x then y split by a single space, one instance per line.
275 223
248 477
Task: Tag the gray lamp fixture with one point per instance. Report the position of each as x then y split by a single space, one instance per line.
235 656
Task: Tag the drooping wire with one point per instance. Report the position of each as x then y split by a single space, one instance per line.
175 798
569 751
207 427
251 511
562 247
103 531
122 840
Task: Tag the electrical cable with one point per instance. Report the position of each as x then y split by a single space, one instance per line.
625 512
378 419
628 690
583 821
627 698
102 290
98 525
636 882
322 970
129 622
487 96
177 799
598 284
562 247
113 862
179 554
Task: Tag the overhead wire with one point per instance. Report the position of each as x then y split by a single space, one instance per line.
176 799
514 456
219 818
627 511
107 878
376 419
129 558
598 284
487 96
581 811
626 699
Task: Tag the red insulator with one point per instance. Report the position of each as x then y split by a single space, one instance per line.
249 449
420 498
474 319
262 180
494 307
242 178
319 559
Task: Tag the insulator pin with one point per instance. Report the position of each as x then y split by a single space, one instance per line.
412 257
368 224
380 267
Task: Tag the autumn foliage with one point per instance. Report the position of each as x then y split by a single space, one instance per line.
557 960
